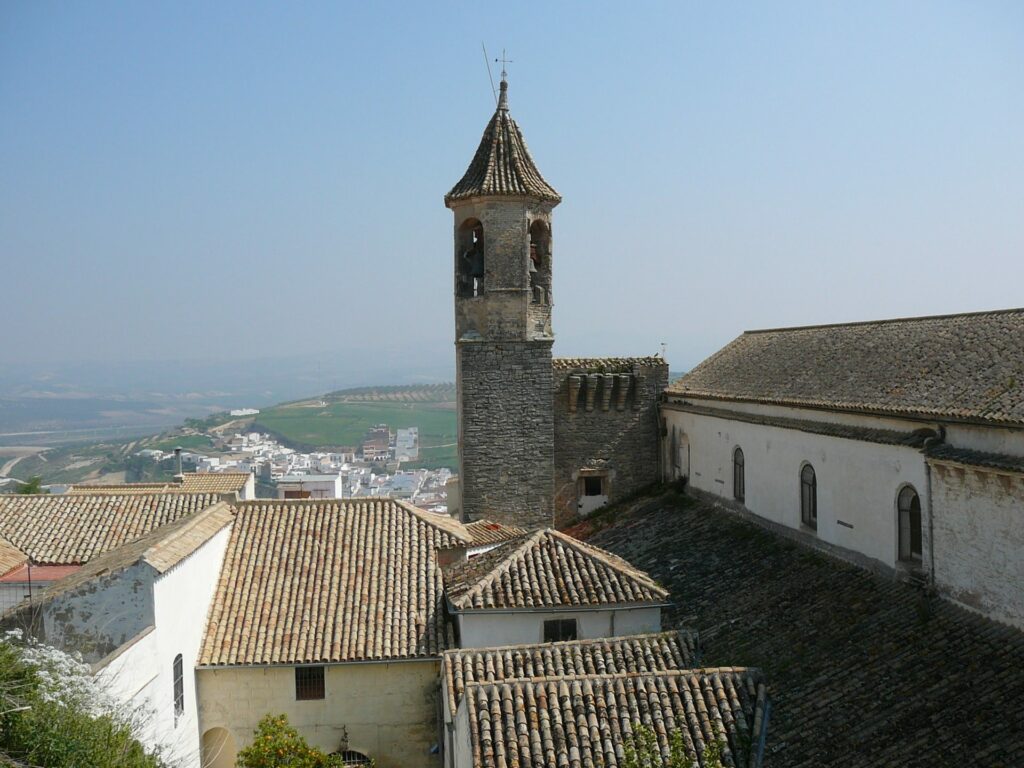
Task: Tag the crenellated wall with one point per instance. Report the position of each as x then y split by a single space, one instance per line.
606 426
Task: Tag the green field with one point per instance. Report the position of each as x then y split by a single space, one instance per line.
341 424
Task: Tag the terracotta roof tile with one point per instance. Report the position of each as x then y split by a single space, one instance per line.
10 556
68 530
214 482
502 165
484 532
584 722
968 367
629 654
547 568
191 482
162 548
122 489
327 581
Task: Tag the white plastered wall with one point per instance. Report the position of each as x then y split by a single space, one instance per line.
141 674
857 481
979 539
494 628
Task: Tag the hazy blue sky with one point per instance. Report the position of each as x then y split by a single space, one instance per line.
234 180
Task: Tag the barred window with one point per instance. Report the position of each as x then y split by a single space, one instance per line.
908 504
178 674
738 478
309 683
808 497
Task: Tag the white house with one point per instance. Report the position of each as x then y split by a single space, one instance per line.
896 443
135 612
310 487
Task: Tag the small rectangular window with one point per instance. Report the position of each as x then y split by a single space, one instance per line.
593 486
557 630
309 683
178 675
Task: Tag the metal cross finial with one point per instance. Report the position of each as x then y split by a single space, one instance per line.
503 61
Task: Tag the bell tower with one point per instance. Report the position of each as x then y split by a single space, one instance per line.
503 336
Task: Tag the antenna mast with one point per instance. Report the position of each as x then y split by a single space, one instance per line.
487 63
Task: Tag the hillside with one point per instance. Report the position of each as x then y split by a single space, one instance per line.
341 419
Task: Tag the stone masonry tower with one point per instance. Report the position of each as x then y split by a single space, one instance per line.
503 337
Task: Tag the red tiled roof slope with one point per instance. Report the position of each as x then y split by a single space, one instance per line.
329 581
70 530
547 568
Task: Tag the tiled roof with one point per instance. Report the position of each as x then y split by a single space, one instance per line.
191 482
214 482
913 439
329 581
162 548
584 722
502 165
38 573
69 530
10 556
606 656
484 532
967 367
605 364
865 671
949 453
122 489
547 568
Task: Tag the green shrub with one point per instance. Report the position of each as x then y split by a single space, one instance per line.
278 745
52 713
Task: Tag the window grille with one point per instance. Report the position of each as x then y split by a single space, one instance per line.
808 497
178 675
309 683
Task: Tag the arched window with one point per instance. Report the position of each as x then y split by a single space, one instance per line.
908 504
540 263
808 497
738 478
179 688
470 259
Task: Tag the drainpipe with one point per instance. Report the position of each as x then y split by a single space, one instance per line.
928 443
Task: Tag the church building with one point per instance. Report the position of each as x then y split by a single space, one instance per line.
541 440
898 444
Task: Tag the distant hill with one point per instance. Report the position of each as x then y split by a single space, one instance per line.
412 393
341 418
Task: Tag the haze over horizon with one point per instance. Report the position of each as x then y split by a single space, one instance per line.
245 182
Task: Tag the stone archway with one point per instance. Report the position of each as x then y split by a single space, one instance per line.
219 748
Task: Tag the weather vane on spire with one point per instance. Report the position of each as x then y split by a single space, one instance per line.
503 61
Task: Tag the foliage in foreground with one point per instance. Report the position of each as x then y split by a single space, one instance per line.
53 713
642 751
278 745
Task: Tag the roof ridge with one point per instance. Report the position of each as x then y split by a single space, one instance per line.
501 567
755 672
187 524
608 558
912 319
428 518
562 643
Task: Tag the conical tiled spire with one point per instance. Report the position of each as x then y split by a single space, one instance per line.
502 165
